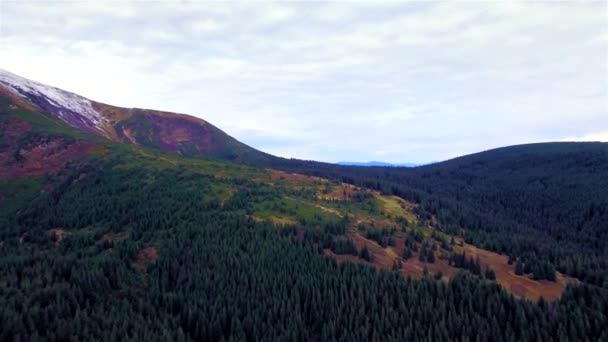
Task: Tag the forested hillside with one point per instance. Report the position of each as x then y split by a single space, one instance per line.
140 255
105 241
539 203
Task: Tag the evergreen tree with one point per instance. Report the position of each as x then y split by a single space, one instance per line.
490 274
519 268
366 255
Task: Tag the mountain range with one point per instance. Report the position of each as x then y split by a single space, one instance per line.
128 223
377 163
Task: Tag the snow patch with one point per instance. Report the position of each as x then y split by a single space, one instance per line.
66 104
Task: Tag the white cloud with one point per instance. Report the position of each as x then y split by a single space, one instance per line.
336 81
595 136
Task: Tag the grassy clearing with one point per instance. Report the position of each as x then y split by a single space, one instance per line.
294 210
396 207
277 220
520 286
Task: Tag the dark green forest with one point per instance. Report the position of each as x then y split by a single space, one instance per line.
220 276
545 205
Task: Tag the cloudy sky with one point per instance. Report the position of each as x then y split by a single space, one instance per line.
357 81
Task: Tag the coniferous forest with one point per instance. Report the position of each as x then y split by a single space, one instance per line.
543 204
220 276
127 243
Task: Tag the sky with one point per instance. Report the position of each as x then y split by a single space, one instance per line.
332 81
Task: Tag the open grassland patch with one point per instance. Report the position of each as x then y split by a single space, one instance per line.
520 286
375 221
396 207
294 181
277 220
329 210
386 257
294 210
337 192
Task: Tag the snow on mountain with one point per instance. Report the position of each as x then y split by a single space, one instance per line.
74 109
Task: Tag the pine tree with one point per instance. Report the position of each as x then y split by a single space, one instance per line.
366 255
430 257
407 253
397 265
519 268
490 274
422 254
511 259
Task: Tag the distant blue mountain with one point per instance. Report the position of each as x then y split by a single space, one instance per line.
377 163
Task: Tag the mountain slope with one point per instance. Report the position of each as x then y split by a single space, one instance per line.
544 204
169 132
75 110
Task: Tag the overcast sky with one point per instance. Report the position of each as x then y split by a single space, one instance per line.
397 82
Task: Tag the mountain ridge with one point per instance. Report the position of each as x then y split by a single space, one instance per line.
167 131
378 163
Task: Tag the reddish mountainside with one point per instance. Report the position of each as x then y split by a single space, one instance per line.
23 154
170 132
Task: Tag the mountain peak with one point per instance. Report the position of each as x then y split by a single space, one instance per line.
75 110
